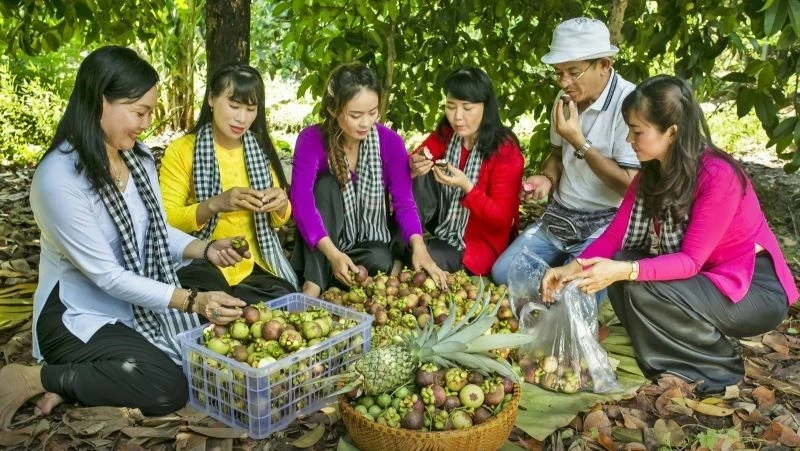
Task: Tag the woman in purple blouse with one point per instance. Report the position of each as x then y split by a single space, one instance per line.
350 177
694 260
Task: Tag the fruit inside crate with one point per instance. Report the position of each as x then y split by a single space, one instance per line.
267 399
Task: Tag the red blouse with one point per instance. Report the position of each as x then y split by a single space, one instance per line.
493 203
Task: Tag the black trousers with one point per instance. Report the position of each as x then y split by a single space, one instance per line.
258 286
682 326
311 264
426 196
116 367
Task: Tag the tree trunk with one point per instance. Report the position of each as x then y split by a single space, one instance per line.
615 20
227 32
391 56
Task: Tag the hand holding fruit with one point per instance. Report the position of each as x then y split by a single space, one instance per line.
237 199
274 199
568 127
537 187
421 259
343 268
452 176
420 162
218 306
598 273
228 251
554 280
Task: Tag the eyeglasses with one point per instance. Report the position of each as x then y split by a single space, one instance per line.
570 78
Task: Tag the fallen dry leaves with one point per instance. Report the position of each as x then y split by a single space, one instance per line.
763 409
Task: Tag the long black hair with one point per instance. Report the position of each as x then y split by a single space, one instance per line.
242 83
111 73
344 83
471 84
664 101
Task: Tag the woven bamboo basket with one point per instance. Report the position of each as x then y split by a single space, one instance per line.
372 436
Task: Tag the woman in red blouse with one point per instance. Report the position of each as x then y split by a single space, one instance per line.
467 177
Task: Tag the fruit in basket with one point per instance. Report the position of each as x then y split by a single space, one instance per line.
460 419
451 403
239 330
481 415
291 340
217 345
250 314
272 329
493 392
471 396
240 353
455 379
413 419
455 343
311 330
433 395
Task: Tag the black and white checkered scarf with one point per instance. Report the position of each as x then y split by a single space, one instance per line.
365 201
205 172
452 215
641 234
160 328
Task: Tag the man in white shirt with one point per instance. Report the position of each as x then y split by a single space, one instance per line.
590 163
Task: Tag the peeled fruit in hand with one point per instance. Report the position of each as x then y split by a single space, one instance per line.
427 153
565 99
528 187
240 245
441 164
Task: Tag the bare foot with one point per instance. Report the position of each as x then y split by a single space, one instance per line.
18 383
46 403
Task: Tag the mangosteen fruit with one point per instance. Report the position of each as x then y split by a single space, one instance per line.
471 396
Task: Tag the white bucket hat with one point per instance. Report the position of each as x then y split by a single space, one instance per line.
579 39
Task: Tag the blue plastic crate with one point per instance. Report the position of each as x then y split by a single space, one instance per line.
266 400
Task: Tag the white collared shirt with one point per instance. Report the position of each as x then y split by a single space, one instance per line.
602 123
82 252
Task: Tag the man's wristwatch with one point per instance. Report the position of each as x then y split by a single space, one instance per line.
580 152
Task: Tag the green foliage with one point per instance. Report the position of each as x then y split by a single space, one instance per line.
34 26
734 134
29 113
413 45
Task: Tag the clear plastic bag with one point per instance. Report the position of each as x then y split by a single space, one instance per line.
565 355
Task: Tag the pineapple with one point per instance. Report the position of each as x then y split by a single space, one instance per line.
461 344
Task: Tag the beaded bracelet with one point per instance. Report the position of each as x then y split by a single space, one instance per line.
549 177
205 251
190 300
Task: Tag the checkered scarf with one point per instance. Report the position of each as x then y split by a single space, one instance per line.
365 201
205 172
453 216
160 328
641 234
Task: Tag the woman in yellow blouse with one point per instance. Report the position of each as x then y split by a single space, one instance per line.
225 179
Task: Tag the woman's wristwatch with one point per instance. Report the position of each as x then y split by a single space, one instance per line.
634 274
